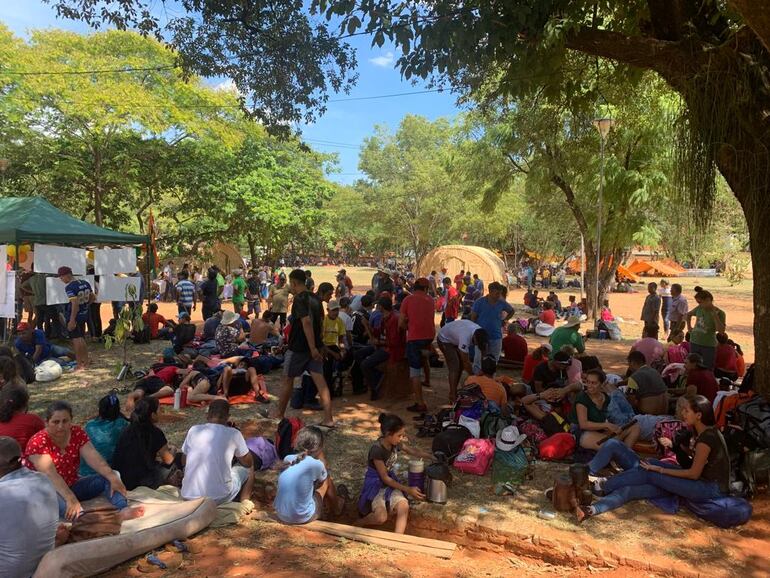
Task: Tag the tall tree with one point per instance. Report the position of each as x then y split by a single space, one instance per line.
715 54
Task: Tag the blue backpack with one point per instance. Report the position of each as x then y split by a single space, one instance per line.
724 512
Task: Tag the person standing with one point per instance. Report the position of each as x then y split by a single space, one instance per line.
651 311
451 302
677 311
185 294
80 296
490 313
210 295
278 301
305 347
254 292
664 292
239 290
709 320
417 318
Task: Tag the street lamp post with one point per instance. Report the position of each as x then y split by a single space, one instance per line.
603 125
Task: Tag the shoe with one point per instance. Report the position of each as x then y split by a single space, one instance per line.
313 406
418 408
263 399
549 494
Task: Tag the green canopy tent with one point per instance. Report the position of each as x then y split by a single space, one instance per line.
35 220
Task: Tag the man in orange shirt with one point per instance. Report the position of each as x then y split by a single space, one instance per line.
493 390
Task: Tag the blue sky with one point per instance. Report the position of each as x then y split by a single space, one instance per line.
346 122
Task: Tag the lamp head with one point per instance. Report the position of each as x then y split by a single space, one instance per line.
603 125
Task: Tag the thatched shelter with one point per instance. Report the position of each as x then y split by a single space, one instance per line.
484 262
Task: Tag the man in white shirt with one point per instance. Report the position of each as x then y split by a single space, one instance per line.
455 340
677 312
29 506
208 454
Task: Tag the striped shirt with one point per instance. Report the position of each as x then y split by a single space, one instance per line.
185 292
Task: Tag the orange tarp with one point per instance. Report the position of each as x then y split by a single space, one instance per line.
624 273
642 267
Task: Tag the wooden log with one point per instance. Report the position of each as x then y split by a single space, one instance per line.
437 548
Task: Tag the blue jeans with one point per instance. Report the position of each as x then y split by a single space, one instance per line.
494 348
613 450
369 367
90 487
640 484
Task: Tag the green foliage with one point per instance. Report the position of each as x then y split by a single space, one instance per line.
129 320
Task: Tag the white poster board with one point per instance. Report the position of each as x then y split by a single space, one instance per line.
48 259
54 289
113 288
111 261
3 278
8 309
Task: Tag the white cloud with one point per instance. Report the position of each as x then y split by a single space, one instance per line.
384 61
226 86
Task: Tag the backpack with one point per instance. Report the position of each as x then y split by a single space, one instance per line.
666 429
475 456
753 417
725 511
754 470
471 402
451 440
286 434
490 423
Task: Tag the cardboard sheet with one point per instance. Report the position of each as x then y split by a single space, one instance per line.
113 288
54 289
111 261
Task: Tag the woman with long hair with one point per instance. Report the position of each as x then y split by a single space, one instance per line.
15 422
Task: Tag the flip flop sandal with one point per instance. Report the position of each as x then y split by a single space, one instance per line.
177 546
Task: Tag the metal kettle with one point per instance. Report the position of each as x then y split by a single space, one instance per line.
438 478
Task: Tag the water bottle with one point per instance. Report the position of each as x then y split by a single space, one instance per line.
416 475
178 399
183 398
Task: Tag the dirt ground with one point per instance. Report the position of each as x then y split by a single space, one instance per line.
266 549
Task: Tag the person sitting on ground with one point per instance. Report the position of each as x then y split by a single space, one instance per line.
540 406
740 363
57 450
211 325
548 315
567 334
533 359
208 453
514 348
726 359
159 326
262 329
700 379
590 415
455 340
28 503
184 335
606 313
305 487
104 430
553 373
34 345
9 372
493 390
652 349
383 495
15 422
142 456
572 309
676 351
707 478
554 300
647 392
575 368
229 335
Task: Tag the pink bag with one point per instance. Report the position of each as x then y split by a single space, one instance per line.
476 456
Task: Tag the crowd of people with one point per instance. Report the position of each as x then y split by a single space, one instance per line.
324 337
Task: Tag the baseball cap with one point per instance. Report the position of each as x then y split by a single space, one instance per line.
64 271
333 304
23 326
562 357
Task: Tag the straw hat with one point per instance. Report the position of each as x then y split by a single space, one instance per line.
509 438
573 321
229 317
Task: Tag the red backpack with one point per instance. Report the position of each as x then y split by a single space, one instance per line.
286 434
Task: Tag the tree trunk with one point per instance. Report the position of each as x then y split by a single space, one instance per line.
252 249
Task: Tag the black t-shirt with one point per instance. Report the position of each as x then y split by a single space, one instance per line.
359 331
135 453
548 377
717 468
253 284
209 295
305 305
379 452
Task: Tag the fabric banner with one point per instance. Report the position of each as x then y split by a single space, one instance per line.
113 288
54 289
8 309
48 259
111 261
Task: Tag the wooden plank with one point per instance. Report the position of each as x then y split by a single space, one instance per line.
385 539
405 538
